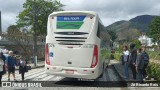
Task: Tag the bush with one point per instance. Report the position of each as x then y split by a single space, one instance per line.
117 56
153 70
154 55
106 53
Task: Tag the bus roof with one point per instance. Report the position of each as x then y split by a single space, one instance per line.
84 12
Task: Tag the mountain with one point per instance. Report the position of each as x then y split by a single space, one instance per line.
140 22
133 26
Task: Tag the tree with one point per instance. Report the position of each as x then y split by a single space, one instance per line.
42 9
137 43
155 30
23 40
113 35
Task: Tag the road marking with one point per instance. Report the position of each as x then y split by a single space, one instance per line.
47 78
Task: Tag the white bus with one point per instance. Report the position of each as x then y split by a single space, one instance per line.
73 44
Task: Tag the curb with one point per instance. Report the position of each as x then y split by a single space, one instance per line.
116 70
118 73
37 67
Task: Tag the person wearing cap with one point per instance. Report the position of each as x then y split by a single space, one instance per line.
11 63
132 61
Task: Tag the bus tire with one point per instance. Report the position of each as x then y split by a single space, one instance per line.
102 71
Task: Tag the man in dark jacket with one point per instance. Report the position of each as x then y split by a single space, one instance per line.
145 57
133 58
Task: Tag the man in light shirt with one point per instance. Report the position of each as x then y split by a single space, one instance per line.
126 60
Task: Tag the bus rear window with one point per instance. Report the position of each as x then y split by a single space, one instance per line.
69 22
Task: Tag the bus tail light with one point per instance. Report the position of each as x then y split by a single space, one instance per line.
95 57
47 54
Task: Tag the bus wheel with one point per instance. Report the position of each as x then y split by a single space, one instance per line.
102 71
101 75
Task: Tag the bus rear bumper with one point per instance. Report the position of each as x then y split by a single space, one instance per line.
85 73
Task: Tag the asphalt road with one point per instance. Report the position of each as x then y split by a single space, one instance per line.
109 81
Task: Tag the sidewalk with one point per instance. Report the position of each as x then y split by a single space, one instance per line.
119 68
39 64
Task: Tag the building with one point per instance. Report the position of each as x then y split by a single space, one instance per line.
145 40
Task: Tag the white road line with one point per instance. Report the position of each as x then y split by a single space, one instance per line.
47 78
18 76
57 78
35 75
39 77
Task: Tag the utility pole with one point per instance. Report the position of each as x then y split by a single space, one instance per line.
35 33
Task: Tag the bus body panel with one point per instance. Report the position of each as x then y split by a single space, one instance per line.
86 73
71 57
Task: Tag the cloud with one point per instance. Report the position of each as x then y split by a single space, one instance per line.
9 11
108 10
115 10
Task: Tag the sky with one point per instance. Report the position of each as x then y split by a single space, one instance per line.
109 11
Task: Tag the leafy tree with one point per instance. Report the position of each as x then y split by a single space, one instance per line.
155 30
13 29
23 40
137 43
41 8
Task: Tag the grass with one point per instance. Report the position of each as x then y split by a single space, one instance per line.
154 55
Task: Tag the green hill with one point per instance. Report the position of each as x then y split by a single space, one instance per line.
140 22
133 27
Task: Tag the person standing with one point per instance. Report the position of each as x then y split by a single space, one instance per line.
4 60
140 65
1 68
11 63
22 67
126 60
5 53
145 57
132 62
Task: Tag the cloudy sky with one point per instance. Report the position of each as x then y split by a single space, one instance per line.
109 11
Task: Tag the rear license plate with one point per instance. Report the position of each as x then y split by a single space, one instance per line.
70 71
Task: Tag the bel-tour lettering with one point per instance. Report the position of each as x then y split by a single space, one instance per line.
71 18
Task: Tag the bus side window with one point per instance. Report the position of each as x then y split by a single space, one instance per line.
98 31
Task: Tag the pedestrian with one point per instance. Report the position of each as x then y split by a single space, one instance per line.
140 65
4 60
126 60
145 57
11 63
132 61
1 68
22 67
5 53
